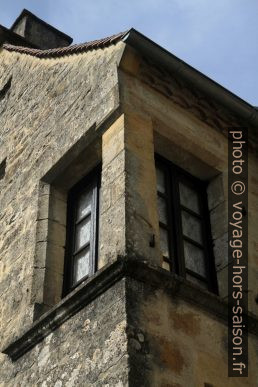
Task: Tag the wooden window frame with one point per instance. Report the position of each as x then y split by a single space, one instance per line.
92 179
173 176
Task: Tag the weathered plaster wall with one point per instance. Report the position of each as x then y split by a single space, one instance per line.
49 106
90 349
175 344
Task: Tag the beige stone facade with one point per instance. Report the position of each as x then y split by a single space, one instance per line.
117 107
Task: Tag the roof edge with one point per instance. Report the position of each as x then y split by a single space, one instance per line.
161 56
67 50
211 88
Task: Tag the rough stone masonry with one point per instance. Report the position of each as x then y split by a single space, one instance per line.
114 102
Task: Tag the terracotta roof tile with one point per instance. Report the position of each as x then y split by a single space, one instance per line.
62 51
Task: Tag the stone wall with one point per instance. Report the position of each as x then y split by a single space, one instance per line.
90 349
60 118
174 343
142 327
48 107
39 33
196 146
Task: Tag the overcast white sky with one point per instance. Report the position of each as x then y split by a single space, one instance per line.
218 37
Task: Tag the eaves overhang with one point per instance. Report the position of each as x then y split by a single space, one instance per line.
146 47
247 113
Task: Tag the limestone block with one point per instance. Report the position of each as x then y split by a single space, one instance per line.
220 249
215 192
219 220
113 141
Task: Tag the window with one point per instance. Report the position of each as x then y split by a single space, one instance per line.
81 238
185 236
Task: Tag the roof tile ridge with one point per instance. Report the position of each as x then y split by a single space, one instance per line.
61 51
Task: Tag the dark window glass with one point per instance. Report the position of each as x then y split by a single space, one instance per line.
185 238
81 239
2 169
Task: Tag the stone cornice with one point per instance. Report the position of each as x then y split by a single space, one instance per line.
211 103
107 277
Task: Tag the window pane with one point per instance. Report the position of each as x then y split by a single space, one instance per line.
194 258
189 198
162 209
164 242
81 264
84 204
160 180
191 227
196 281
82 233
